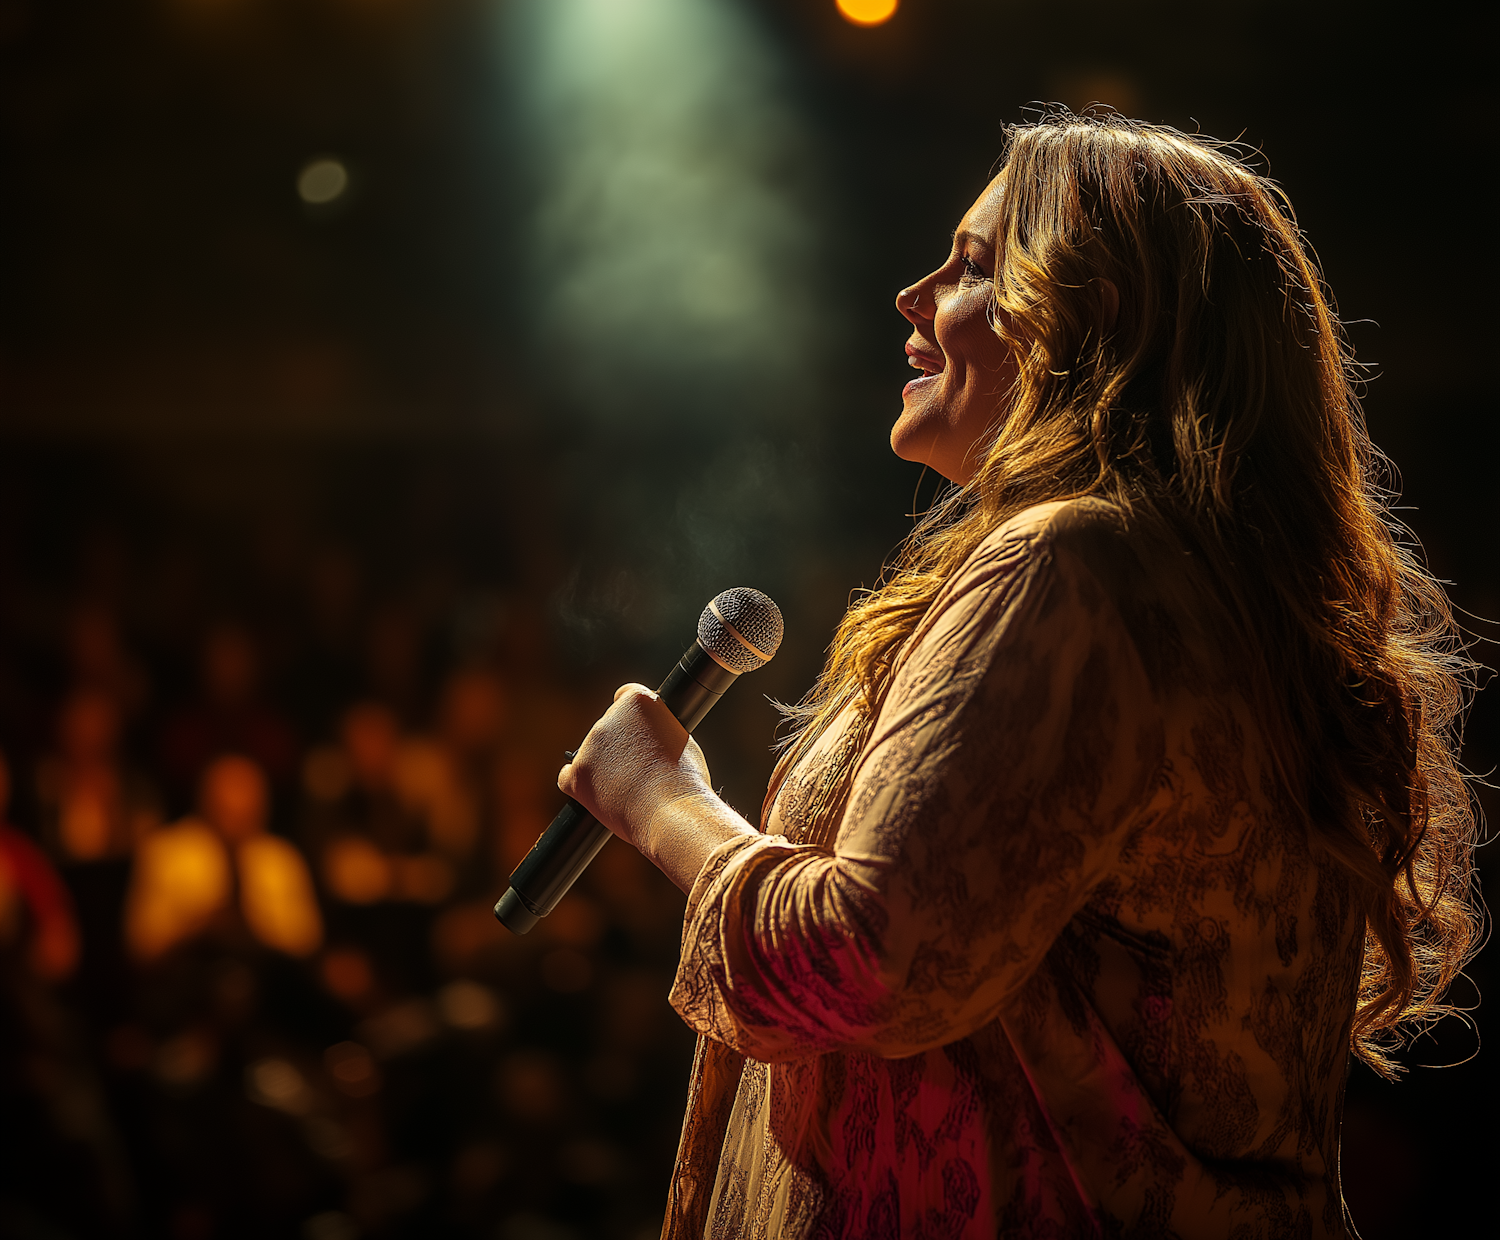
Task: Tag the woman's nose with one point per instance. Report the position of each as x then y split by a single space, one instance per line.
915 303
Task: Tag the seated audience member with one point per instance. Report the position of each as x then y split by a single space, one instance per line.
62 1168
230 716
186 875
93 808
472 713
392 817
473 720
98 658
37 922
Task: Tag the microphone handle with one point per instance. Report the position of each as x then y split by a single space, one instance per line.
575 837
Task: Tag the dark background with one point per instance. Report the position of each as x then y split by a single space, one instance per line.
417 410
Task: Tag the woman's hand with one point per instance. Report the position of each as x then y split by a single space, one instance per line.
634 760
641 775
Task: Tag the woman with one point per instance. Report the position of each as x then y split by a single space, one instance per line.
1127 805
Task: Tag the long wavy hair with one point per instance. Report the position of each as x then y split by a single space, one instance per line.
1221 405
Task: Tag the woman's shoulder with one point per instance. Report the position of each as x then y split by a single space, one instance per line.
1023 558
1079 524
1084 533
1078 564
1119 567
1128 570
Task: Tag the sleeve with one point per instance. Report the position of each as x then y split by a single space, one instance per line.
1016 748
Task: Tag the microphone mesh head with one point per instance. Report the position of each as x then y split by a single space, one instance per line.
744 633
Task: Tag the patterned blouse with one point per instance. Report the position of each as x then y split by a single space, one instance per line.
1061 963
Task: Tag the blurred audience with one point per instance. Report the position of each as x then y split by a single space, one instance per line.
37 923
186 875
98 659
230 716
292 1003
391 818
92 806
62 1169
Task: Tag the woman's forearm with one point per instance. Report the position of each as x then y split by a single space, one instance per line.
685 830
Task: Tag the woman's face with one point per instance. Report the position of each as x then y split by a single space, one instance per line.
967 370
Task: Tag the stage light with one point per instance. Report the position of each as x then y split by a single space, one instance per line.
428 785
233 797
672 238
321 181
867 12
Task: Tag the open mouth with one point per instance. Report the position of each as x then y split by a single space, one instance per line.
928 364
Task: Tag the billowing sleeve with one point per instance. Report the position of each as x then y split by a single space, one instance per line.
1012 758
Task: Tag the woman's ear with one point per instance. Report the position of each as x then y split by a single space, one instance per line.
1109 302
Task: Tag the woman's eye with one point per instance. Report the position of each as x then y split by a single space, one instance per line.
972 270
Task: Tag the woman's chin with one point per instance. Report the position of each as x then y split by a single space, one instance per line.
918 423
911 445
903 442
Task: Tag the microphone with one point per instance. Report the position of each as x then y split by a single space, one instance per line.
738 632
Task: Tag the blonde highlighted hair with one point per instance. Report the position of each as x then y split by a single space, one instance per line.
1220 403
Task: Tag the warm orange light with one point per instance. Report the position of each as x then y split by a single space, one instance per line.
84 819
467 931
867 12
347 973
427 784
234 798
353 1069
180 881
183 878
10 903
425 878
356 871
276 896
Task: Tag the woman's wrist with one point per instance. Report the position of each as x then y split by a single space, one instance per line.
685 830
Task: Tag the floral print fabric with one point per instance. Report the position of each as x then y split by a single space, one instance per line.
1063 962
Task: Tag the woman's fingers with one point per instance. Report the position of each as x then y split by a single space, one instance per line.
585 752
632 759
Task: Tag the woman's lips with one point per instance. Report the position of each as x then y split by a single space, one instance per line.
925 362
930 366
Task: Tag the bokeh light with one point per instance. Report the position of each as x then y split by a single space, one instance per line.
181 879
277 897
356 871
353 1069
322 181
867 12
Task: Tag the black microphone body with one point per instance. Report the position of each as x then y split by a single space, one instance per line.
690 691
